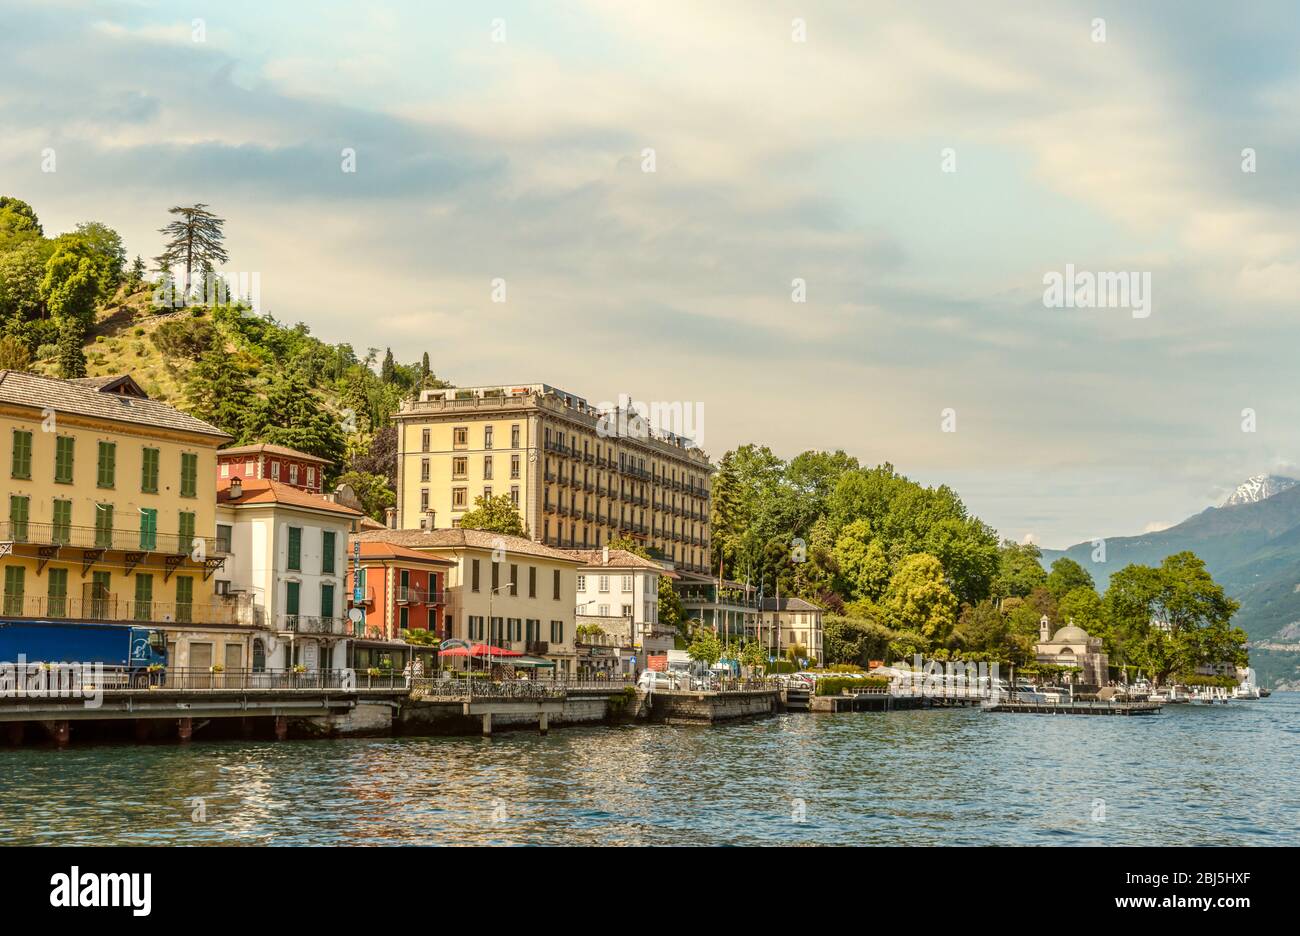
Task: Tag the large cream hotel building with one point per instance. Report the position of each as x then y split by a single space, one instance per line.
579 476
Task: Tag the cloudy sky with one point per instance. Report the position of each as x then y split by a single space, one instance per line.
774 159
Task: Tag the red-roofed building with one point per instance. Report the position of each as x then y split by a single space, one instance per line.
400 589
272 463
285 553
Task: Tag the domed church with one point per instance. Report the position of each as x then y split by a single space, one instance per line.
1072 646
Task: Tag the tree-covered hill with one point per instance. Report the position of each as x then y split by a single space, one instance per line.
71 306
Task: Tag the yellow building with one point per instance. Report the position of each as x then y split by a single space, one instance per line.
507 591
110 509
579 476
791 622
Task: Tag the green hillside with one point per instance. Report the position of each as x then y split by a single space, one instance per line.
71 306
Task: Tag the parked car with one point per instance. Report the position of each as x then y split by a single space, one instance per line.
650 680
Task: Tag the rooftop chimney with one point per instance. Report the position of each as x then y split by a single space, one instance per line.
236 488
604 555
390 517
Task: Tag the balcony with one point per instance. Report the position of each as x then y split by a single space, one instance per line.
419 596
113 609
120 540
307 624
537 647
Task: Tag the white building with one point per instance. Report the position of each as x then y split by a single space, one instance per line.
618 583
288 556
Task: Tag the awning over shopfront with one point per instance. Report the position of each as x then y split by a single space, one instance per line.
533 662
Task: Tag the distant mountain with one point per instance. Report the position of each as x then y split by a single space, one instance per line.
1251 546
1257 489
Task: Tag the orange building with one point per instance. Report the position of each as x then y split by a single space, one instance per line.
400 589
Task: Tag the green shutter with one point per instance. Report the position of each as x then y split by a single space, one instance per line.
186 530
19 507
149 472
107 464
22 460
63 452
327 553
62 521
327 601
291 598
148 528
184 599
104 526
189 475
58 594
15 582
295 549
143 597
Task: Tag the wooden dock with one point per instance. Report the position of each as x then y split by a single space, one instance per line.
1077 708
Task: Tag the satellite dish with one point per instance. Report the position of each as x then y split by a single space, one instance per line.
356 615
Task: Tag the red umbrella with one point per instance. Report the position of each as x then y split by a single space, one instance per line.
479 650
482 650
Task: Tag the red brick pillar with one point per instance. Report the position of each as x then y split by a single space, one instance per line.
59 731
185 728
281 727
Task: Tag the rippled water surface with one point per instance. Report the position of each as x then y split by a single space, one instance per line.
1190 775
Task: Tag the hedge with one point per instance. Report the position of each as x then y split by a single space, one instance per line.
827 686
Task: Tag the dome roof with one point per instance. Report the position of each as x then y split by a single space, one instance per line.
1071 634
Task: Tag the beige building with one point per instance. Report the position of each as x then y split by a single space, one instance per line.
507 591
791 622
579 476
1073 646
620 585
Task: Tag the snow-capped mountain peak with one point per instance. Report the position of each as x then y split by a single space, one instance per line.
1258 488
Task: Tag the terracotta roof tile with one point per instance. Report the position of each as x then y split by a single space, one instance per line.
471 539
265 491
269 449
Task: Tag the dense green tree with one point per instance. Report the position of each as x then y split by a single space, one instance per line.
1083 607
102 247
1172 618
1066 576
17 217
1019 570
219 391
292 415
861 563
496 515
672 613
70 287
981 628
705 647
919 599
72 359
854 640
22 270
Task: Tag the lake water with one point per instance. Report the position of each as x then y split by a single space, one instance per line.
1191 775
